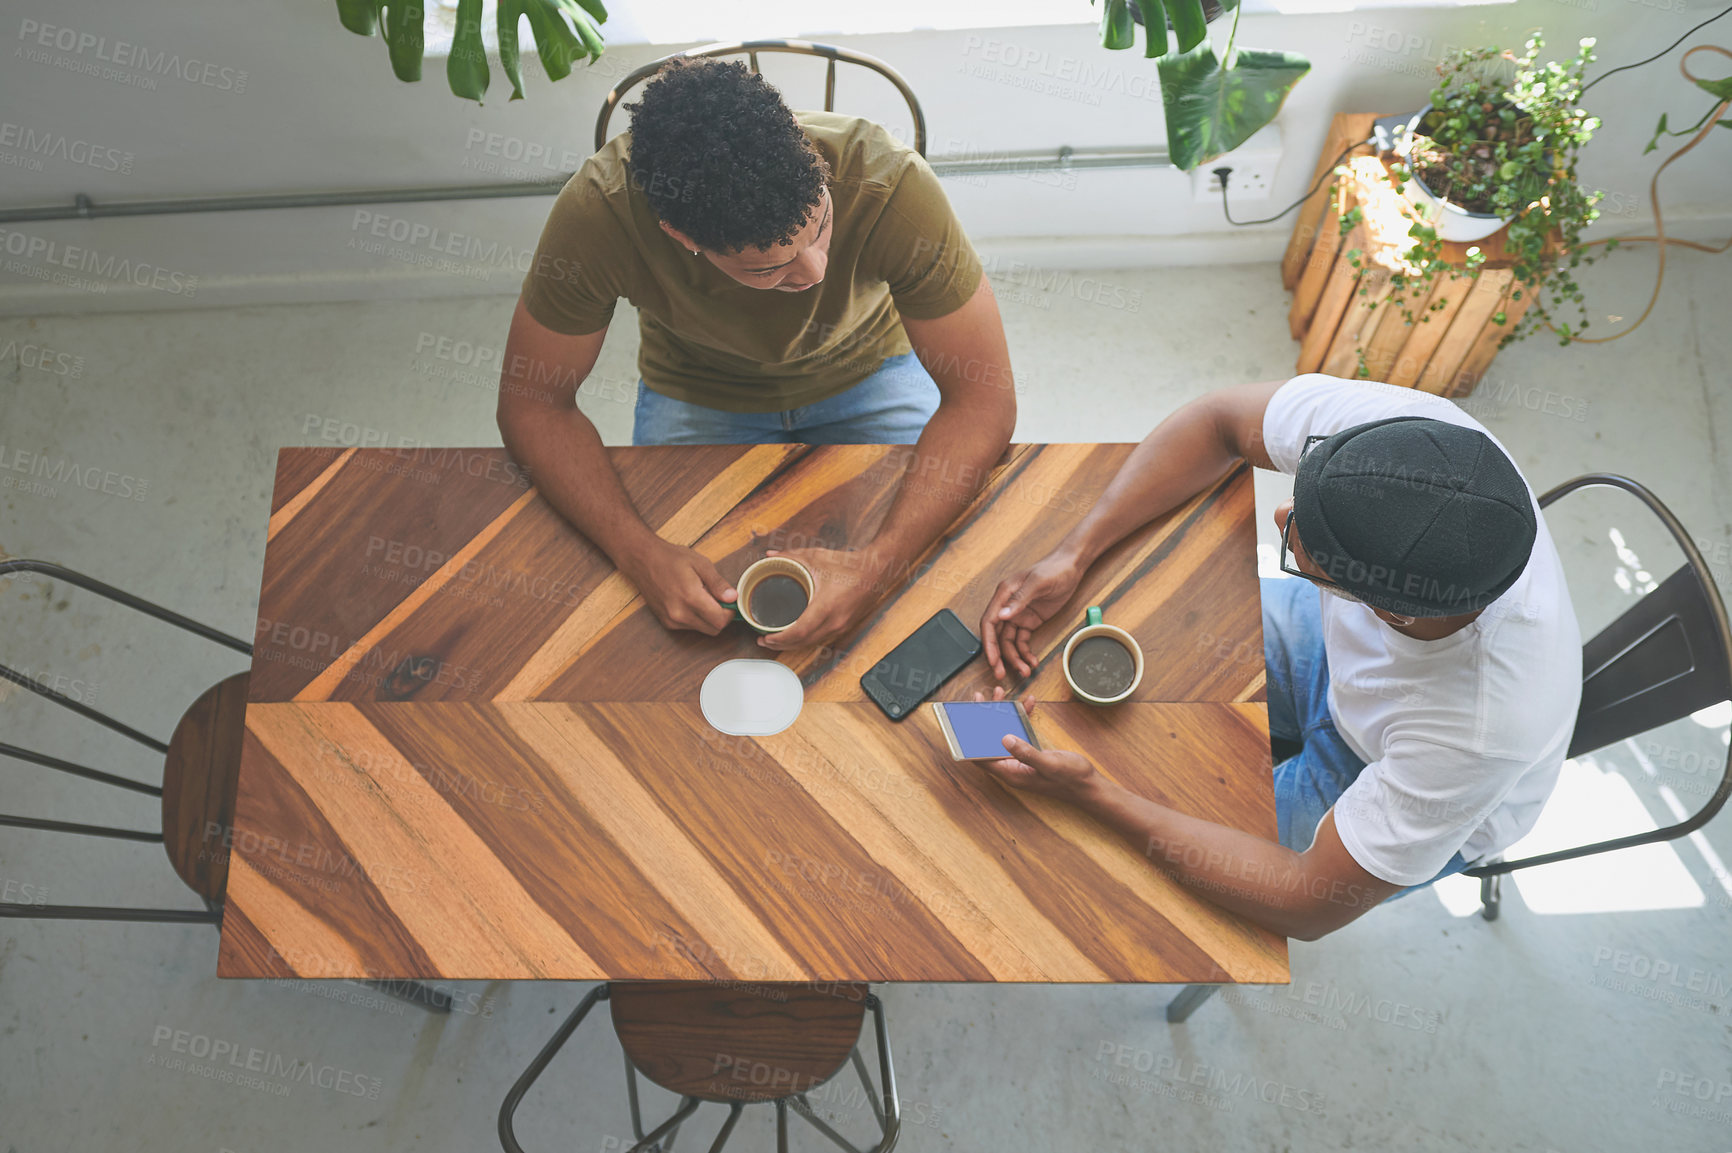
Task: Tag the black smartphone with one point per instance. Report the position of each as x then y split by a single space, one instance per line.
913 670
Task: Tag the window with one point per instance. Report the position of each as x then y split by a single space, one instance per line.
689 21
695 21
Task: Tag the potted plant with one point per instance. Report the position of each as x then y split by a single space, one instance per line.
1498 145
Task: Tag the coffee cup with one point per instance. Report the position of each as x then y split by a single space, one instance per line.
1102 663
773 592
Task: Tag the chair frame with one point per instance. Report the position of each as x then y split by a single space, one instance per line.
212 914
752 47
1490 873
888 1114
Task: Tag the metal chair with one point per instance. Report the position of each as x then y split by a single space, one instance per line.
705 1043
1667 656
752 47
201 766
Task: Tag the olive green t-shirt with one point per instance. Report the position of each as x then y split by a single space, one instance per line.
896 250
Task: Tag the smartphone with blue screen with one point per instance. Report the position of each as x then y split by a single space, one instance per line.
975 730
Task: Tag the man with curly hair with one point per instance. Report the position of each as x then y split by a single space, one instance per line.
798 278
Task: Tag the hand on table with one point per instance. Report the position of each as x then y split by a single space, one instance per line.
1020 605
844 586
1051 772
682 588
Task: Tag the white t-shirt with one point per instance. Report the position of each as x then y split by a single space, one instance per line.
1462 737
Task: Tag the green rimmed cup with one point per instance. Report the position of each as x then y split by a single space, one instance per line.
1103 664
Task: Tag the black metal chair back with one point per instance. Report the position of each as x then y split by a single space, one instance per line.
751 48
1662 660
212 912
1667 656
194 874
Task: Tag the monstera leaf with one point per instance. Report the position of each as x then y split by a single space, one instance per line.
565 31
1117 29
1214 108
466 67
1189 20
1211 108
1190 23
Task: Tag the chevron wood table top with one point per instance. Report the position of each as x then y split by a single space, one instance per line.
472 753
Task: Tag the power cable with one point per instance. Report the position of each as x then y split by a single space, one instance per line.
1226 170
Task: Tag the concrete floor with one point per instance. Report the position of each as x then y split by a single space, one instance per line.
1593 1017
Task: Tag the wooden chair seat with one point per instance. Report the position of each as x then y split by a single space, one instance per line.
706 1041
198 786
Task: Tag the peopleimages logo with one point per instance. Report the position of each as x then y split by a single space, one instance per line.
1081 78
1657 979
40 356
37 35
518 150
1220 1085
466 247
91 262
63 471
55 146
227 1059
1681 1092
23 893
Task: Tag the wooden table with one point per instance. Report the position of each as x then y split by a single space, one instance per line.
472 753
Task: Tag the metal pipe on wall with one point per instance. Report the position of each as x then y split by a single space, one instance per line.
1066 159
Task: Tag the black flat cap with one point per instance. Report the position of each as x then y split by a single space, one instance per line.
1414 516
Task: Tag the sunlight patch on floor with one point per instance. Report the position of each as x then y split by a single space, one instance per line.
1591 805
1458 895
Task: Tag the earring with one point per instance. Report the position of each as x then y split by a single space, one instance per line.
694 252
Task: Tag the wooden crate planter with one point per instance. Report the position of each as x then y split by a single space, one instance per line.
1345 318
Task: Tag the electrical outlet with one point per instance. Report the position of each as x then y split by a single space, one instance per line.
1253 164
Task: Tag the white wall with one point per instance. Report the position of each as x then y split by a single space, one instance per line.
283 99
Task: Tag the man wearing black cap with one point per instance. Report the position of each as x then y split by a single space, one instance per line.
1427 661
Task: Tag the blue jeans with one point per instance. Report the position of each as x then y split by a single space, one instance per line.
889 407
1307 784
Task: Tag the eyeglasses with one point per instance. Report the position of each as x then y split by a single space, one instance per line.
1288 564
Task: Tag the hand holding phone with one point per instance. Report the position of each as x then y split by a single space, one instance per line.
1051 772
975 730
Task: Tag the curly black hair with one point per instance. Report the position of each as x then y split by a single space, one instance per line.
721 158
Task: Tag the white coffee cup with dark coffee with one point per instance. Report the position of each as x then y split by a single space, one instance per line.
773 592
1102 663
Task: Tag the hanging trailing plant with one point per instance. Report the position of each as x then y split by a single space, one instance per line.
1720 89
